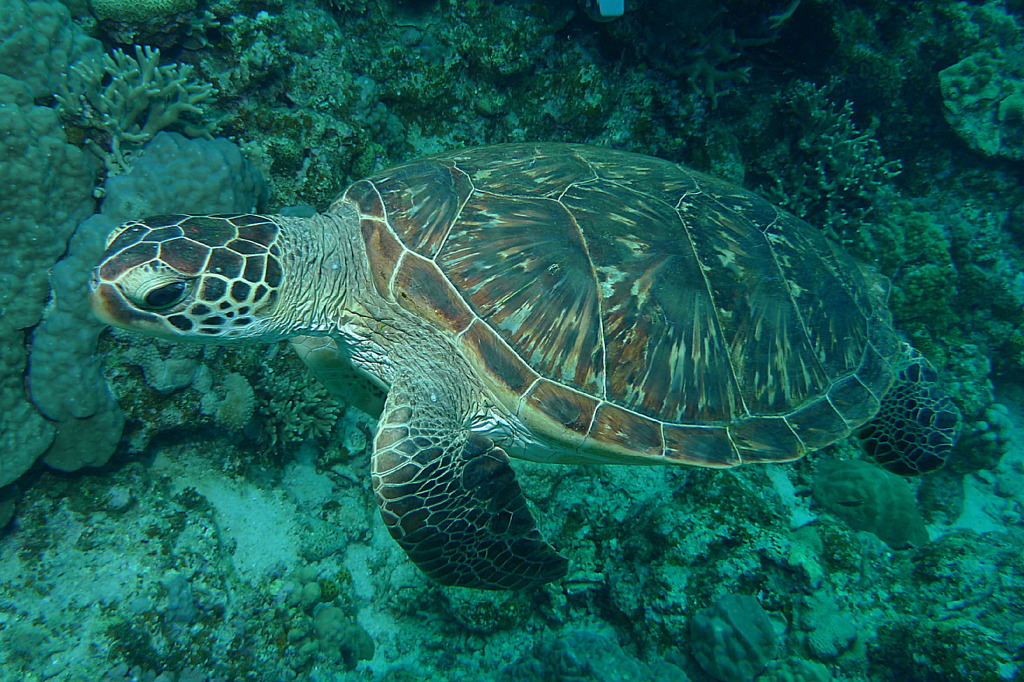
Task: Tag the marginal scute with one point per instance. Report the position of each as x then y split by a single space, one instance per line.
627 432
766 439
884 338
364 198
853 400
497 362
707 446
875 371
382 248
818 424
426 292
549 408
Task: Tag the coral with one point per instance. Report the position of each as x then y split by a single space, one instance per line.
47 192
341 638
706 71
832 634
983 96
321 621
293 408
38 41
796 670
957 650
702 46
179 369
233 405
834 174
127 100
173 174
139 10
65 375
584 655
484 613
921 258
8 504
868 498
733 639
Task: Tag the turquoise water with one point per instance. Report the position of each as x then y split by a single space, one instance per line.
194 513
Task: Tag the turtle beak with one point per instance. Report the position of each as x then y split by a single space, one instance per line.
111 307
106 302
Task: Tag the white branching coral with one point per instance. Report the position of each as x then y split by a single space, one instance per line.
128 100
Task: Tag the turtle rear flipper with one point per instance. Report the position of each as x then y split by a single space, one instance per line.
917 425
451 500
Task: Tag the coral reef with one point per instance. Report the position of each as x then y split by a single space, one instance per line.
983 92
233 405
65 375
294 408
193 556
835 175
173 174
139 11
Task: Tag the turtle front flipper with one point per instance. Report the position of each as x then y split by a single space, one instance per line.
451 500
336 372
917 425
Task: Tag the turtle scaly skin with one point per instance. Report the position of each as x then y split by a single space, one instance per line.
554 302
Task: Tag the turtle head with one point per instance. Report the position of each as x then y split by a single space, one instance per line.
214 278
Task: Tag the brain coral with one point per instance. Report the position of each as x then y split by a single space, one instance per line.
984 102
138 11
868 498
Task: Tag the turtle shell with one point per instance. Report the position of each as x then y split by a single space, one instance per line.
628 309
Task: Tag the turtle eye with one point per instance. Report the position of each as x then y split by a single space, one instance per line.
164 296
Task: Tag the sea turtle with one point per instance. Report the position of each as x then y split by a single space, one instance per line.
556 302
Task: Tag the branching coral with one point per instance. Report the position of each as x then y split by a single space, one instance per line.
293 407
833 173
128 100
